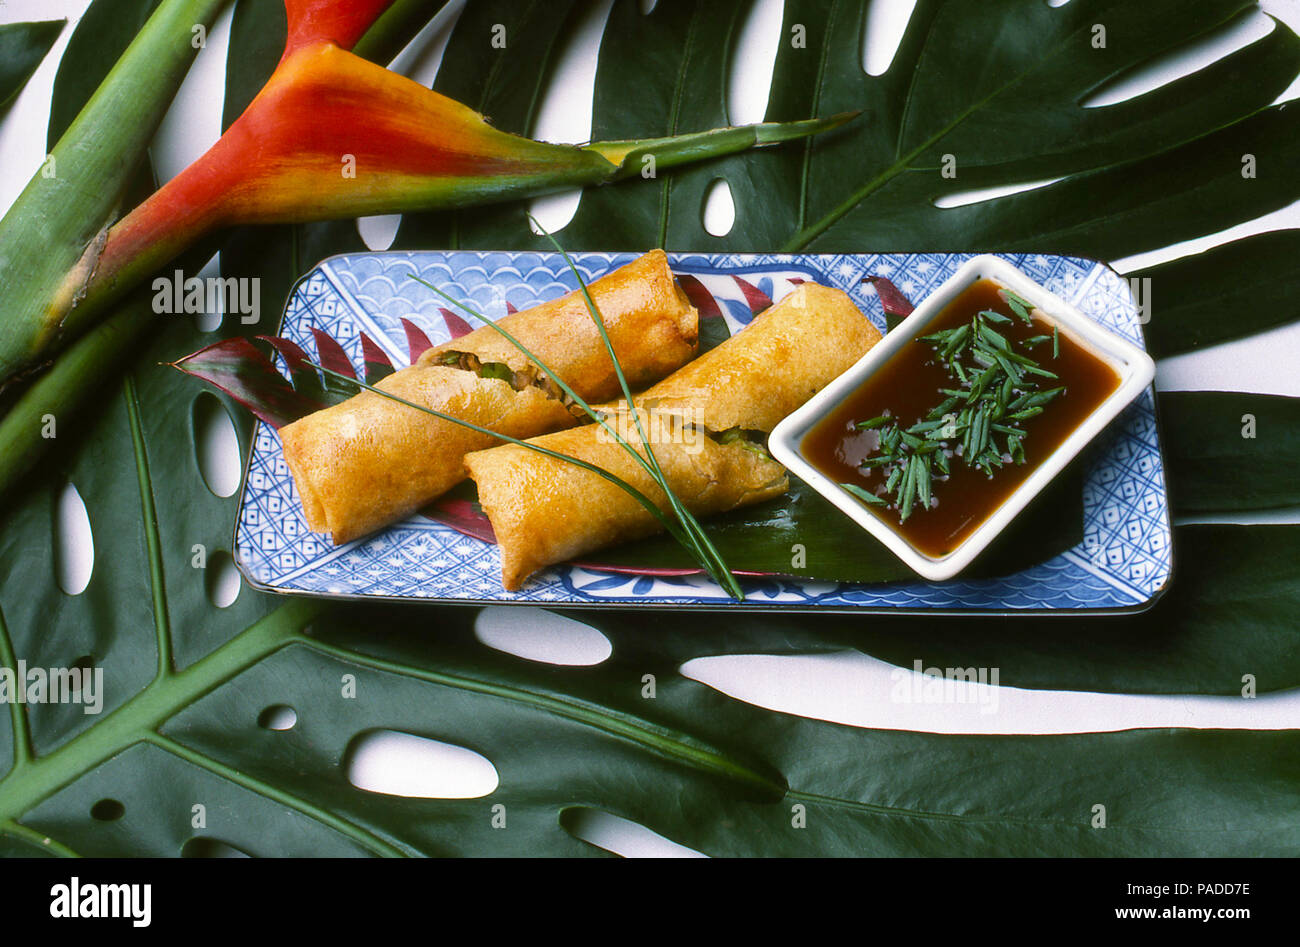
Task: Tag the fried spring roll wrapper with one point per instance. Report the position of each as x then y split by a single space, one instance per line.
652 325
770 368
369 461
546 510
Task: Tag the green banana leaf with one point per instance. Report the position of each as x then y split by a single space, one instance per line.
760 539
22 47
186 682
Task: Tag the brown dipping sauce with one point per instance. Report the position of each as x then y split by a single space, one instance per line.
907 387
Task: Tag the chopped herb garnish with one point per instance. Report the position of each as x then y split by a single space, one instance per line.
872 423
995 388
863 495
1019 306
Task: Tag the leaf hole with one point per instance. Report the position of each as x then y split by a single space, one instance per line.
539 635
647 6
222 579
554 212
1054 4
192 123
621 836
981 194
202 846
210 321
74 549
404 764
421 58
379 232
772 681
749 84
719 208
277 717
885 25
216 445
843 687
107 810
1182 60
85 666
564 112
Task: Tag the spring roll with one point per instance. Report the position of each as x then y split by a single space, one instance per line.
369 461
706 422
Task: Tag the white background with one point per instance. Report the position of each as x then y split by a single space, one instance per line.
848 688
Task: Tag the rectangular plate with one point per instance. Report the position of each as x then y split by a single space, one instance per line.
1122 564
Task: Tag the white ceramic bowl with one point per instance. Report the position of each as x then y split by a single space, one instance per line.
1134 367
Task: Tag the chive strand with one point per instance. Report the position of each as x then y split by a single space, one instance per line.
720 572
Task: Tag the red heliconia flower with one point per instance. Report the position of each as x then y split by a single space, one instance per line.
333 135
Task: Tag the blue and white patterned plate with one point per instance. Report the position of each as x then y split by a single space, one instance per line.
1122 564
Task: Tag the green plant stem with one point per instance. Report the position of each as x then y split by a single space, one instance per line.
64 390
635 730
36 839
363 837
149 516
76 193
682 149
17 713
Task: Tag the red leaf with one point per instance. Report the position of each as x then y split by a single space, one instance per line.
755 298
463 517
895 303
700 297
239 368
306 380
332 355
377 364
455 324
417 343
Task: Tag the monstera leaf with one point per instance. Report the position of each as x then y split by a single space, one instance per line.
998 87
709 772
22 47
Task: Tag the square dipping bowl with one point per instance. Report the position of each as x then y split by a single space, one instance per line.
1134 367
